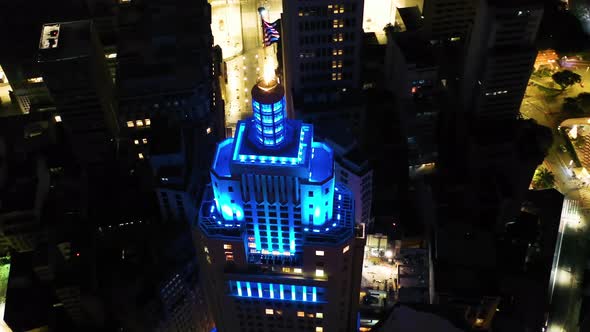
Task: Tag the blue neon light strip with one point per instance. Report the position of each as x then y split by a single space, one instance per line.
239 141
283 160
266 291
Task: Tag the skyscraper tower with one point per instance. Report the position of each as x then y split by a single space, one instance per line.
500 57
275 235
321 48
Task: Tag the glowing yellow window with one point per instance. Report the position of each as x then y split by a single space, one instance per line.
300 13
334 23
300 314
319 253
339 63
319 329
227 246
209 130
479 322
330 6
136 142
340 52
341 10
310 315
130 124
286 269
148 122
297 270
319 315
144 140
333 76
57 118
269 312
319 272
334 63
345 249
140 155
139 123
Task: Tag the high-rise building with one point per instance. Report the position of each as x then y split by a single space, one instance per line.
167 70
322 48
276 236
500 57
74 69
448 20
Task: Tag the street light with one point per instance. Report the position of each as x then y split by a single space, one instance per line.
389 254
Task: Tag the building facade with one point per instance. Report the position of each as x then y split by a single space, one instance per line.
74 68
275 235
500 58
322 48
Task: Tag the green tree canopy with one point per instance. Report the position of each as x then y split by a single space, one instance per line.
543 179
566 78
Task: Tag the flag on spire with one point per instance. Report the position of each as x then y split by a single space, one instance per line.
271 34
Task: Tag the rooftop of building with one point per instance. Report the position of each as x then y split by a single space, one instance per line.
332 232
416 50
412 17
65 40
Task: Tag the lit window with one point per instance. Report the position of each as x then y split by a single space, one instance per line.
319 272
319 253
35 80
297 270
205 249
330 6
269 312
334 76
334 63
148 122
286 269
130 124
144 140
136 142
227 246
339 63
319 329
57 118
208 130
139 123
319 315
229 258
111 55
341 9
345 249
300 314
339 76
300 13
140 155
479 321
310 315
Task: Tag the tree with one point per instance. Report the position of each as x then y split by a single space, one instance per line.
571 106
543 179
566 78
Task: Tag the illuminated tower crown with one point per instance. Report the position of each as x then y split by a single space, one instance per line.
268 106
273 175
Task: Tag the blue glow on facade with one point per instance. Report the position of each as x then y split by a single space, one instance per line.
293 294
249 289
265 291
270 122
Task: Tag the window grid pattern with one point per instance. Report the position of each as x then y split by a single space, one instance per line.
270 122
